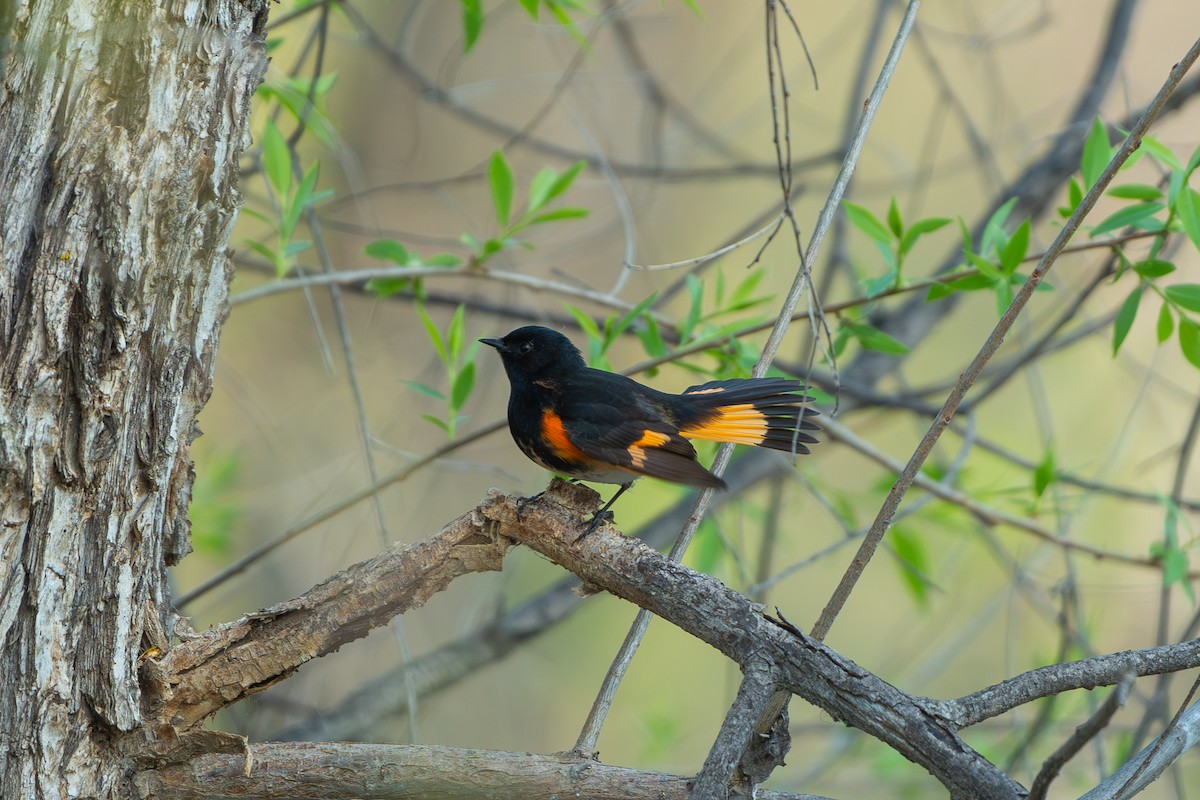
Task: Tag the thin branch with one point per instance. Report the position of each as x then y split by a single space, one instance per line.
1087 673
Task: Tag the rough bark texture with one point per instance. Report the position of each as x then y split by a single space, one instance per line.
220 666
295 771
121 124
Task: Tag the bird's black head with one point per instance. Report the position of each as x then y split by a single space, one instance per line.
534 352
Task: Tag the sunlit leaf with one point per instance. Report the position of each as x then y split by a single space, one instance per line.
1166 323
861 218
1185 295
1097 152
500 177
1189 340
1125 318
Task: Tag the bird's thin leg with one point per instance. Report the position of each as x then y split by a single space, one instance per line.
599 516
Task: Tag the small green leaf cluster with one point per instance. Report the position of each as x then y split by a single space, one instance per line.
472 17
290 199
894 240
991 264
600 338
546 185
1156 212
1172 554
393 251
458 358
708 320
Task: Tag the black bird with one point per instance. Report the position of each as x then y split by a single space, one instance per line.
599 426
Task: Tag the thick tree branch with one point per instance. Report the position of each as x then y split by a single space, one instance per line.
714 613
220 666
410 772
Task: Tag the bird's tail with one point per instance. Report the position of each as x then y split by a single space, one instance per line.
762 412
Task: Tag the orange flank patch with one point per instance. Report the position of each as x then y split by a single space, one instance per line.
739 424
637 450
555 435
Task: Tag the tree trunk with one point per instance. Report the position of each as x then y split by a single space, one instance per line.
121 127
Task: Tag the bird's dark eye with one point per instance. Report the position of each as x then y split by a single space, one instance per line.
525 348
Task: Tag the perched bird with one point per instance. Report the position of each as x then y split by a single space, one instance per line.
599 426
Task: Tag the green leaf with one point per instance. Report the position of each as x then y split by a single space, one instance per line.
1014 252
913 560
435 335
1153 268
867 222
423 389
628 318
463 383
548 184
1097 152
539 188
550 216
386 287
877 286
262 250
1161 153
986 267
652 340
442 260
445 426
501 179
919 229
1074 198
1166 323
1125 317
1187 207
895 224
388 250
993 231
1185 295
305 196
874 339
1128 216
1043 476
276 159
456 334
967 283
741 297
588 325
1135 191
1189 340
531 7
472 21
1194 161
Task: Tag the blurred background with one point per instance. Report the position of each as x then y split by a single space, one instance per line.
669 106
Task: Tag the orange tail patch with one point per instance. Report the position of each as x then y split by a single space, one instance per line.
739 424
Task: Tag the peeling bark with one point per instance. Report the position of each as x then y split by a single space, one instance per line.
121 124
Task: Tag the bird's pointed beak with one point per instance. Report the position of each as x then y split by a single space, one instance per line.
496 343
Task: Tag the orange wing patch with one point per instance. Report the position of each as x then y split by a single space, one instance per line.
637 450
739 424
555 435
